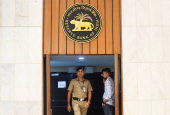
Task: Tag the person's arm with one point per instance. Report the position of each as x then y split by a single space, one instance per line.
68 97
68 101
89 94
70 88
89 99
105 101
110 91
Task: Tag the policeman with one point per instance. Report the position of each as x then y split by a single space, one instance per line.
79 87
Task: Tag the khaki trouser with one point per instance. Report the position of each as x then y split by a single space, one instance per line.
79 107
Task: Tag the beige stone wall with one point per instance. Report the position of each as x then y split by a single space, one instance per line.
21 57
146 57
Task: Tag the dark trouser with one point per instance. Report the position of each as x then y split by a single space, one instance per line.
109 110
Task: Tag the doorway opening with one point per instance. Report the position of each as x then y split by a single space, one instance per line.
63 70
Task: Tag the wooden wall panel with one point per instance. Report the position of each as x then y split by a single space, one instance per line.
101 37
55 26
93 44
62 36
116 26
86 46
70 43
78 46
56 42
47 26
109 37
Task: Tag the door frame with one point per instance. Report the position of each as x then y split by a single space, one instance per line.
47 107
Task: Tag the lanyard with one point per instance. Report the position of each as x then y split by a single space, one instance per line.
80 85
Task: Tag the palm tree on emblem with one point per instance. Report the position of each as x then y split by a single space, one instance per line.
79 25
83 17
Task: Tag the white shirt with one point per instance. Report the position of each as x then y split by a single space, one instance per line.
109 91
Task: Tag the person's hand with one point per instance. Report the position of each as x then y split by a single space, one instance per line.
103 104
68 108
103 81
87 105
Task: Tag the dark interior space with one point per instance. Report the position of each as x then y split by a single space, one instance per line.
59 95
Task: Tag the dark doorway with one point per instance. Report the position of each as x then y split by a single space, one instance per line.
59 95
59 72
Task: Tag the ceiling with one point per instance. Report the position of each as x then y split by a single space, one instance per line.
89 60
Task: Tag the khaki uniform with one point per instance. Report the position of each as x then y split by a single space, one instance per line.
79 106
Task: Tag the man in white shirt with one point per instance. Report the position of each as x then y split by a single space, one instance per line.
108 96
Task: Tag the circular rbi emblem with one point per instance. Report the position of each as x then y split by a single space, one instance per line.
82 22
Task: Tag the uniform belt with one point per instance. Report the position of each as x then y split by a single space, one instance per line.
79 99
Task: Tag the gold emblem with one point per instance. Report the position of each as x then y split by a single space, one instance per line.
82 22
79 24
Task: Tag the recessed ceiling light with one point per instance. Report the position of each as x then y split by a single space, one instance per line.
55 74
81 58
